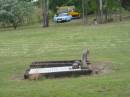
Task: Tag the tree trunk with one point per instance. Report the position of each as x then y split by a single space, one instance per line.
84 8
106 15
100 11
45 4
120 1
106 11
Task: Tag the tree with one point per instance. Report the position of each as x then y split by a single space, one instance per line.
106 8
120 8
14 12
126 4
99 11
45 6
84 12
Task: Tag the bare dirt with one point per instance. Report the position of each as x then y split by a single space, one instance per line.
101 67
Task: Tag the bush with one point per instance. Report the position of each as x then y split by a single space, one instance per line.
15 12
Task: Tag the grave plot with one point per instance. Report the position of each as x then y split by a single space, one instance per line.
59 68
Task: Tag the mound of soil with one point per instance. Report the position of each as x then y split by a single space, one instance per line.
101 67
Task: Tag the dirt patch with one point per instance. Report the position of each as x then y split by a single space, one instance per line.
35 76
101 67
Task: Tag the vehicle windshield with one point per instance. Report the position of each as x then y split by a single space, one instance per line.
63 14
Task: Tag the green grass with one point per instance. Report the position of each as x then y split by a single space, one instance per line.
107 43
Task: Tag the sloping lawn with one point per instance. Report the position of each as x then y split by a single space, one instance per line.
107 43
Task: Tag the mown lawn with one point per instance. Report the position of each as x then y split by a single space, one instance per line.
107 43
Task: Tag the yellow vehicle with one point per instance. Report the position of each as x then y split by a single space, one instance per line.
70 10
74 14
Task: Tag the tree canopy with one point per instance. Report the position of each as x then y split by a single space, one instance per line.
14 12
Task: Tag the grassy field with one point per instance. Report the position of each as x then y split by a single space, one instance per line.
107 43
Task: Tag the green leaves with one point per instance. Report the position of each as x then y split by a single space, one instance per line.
14 12
126 4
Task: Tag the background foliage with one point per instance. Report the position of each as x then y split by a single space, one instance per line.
15 12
